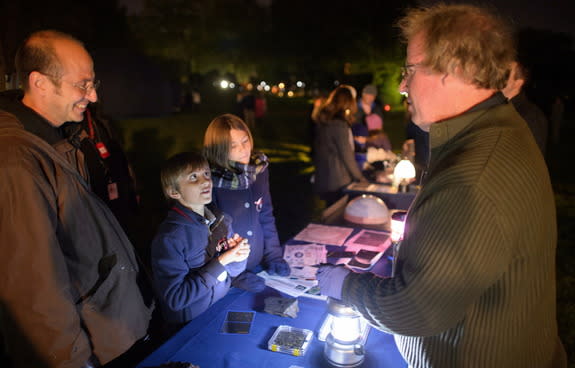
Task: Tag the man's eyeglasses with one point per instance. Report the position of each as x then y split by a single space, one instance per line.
85 85
408 70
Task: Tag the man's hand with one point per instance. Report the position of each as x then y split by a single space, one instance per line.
330 279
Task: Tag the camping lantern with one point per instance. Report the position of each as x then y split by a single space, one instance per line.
343 345
403 174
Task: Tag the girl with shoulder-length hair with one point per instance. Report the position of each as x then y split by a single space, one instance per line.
334 159
217 140
240 179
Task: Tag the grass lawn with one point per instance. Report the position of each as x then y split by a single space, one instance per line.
284 136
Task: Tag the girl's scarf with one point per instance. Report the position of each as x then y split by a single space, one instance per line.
241 176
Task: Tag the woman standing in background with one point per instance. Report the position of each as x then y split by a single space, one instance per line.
334 160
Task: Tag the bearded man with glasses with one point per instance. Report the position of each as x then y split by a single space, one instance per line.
475 272
70 285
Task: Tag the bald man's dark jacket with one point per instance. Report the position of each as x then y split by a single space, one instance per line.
69 278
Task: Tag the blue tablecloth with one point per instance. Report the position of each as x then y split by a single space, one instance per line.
200 342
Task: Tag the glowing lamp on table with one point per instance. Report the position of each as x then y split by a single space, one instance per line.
403 174
344 345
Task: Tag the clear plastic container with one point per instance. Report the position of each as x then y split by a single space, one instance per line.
290 340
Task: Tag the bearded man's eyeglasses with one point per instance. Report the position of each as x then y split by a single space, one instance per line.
408 70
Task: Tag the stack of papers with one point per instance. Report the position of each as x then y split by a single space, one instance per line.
323 234
305 255
369 240
292 286
304 258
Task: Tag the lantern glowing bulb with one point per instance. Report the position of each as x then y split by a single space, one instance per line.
404 170
345 329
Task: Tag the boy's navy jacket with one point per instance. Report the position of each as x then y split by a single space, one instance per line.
252 212
185 265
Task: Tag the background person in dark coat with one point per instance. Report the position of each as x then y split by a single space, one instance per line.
110 174
533 115
334 158
367 106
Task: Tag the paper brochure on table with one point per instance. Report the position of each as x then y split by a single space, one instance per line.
292 286
369 240
301 255
305 272
323 234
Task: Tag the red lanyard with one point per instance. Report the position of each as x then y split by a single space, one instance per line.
90 125
179 211
100 146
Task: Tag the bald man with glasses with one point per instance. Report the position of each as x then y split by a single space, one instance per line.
70 286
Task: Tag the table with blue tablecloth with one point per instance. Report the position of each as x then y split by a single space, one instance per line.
202 343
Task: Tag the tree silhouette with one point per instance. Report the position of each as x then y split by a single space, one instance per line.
274 39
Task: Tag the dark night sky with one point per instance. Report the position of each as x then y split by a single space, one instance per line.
132 6
555 15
